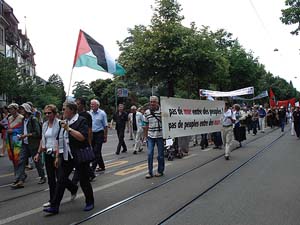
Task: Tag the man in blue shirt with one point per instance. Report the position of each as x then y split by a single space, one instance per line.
261 120
99 129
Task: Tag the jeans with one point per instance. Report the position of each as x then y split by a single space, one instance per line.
160 158
20 168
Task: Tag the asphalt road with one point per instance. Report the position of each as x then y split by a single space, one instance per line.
263 191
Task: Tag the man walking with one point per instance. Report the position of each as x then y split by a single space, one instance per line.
261 120
227 131
99 129
153 133
121 118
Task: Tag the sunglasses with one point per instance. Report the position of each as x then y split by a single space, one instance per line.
48 113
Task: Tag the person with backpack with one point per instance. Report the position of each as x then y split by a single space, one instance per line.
30 137
153 133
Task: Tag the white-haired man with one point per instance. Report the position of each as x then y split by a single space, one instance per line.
99 128
153 133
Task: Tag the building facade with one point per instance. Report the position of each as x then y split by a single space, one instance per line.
14 44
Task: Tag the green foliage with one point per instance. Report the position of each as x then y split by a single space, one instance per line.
291 15
8 75
82 90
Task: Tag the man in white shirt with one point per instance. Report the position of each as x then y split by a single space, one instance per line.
227 130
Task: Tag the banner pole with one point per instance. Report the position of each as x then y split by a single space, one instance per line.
70 82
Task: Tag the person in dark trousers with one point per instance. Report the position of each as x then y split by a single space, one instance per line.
121 118
282 117
217 139
204 141
48 146
296 121
81 104
74 135
99 128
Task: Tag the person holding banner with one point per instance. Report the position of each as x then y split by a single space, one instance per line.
227 130
153 133
239 129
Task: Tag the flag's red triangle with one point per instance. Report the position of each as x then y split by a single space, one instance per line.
82 46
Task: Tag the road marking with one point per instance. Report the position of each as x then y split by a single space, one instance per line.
6 175
133 169
206 150
117 163
67 199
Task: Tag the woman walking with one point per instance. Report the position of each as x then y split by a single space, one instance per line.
48 146
74 131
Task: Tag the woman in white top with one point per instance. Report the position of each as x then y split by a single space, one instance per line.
49 145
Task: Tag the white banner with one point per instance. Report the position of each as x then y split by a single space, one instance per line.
185 117
243 91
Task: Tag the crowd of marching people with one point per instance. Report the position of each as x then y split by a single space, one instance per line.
59 145
53 141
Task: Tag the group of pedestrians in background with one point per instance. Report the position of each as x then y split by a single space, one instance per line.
237 121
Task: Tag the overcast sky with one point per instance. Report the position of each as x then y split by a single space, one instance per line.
53 27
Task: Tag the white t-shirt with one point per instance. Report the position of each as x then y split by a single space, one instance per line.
50 140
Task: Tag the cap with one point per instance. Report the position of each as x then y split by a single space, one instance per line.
260 106
26 107
13 105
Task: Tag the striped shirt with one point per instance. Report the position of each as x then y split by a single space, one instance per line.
153 122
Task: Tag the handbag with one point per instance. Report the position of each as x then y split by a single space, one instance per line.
84 155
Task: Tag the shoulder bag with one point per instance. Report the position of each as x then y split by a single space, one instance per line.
84 155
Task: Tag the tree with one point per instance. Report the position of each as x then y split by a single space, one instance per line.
154 53
8 76
291 15
82 90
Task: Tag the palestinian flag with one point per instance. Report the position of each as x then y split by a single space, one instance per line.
91 54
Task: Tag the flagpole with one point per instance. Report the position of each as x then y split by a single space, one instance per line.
70 82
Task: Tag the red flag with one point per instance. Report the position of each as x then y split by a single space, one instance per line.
272 99
286 103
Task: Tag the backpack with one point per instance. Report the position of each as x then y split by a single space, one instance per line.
39 125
